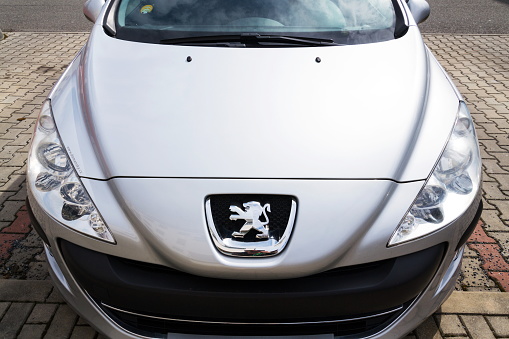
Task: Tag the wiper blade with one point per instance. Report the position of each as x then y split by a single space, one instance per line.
250 39
289 39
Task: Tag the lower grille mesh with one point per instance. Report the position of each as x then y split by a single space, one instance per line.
151 325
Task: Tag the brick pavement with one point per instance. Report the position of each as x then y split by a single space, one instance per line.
479 66
30 63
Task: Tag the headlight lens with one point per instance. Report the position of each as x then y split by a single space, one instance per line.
451 188
56 186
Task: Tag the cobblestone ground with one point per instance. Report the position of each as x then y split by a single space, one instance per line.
479 66
30 63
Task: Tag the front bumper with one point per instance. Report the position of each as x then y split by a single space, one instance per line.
356 301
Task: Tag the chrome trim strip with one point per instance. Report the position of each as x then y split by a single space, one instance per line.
253 323
260 249
56 269
107 316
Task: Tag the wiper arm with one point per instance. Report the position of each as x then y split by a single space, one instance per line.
289 39
205 39
250 39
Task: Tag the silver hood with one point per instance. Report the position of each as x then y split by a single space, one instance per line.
256 113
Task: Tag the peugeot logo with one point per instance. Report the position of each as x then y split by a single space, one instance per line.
239 224
253 212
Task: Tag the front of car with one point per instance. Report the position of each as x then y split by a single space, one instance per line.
254 168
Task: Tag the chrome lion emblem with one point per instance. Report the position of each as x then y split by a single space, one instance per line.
239 223
253 212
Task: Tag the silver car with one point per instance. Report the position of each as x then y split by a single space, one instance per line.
255 168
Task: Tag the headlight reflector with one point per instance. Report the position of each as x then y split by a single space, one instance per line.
55 185
451 188
53 157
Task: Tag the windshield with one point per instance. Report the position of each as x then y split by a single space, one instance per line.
343 21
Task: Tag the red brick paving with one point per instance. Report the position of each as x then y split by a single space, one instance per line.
491 257
7 242
16 231
479 236
490 253
502 278
21 224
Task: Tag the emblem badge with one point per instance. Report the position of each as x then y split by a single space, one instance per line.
239 224
251 215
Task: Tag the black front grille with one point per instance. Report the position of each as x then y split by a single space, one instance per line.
151 325
150 296
281 206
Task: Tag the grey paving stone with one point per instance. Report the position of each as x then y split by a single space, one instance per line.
492 191
21 194
33 240
14 319
503 180
62 324
500 325
485 155
8 151
474 276
24 290
503 239
17 160
37 271
3 308
493 222
428 330
450 325
23 255
504 157
487 177
502 139
42 313
477 327
481 289
83 332
493 147
3 224
55 297
21 171
487 205
9 210
503 207
32 331
5 173
469 253
487 303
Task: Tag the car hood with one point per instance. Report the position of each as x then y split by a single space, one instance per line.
346 112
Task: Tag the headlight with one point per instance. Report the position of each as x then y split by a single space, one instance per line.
55 185
451 188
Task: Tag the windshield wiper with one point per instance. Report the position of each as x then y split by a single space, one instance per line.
241 40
